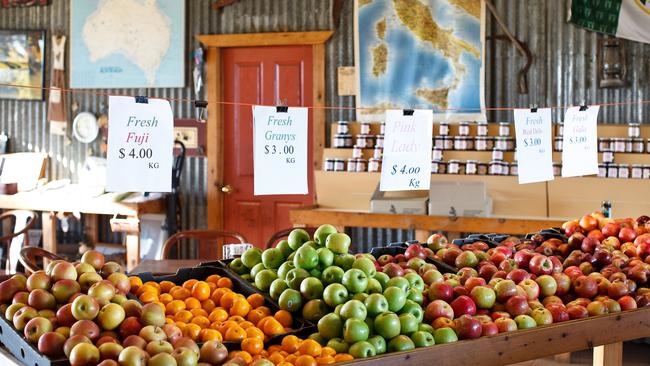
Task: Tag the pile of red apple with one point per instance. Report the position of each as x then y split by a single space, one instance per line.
80 312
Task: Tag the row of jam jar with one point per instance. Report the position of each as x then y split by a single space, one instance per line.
364 139
624 171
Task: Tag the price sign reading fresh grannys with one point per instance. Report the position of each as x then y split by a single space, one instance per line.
280 150
140 145
534 147
406 162
580 142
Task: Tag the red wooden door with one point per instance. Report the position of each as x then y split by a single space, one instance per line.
263 76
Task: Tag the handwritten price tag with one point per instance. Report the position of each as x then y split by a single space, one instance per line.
580 143
407 151
140 145
280 151
534 148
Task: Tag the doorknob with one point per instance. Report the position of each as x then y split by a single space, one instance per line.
227 189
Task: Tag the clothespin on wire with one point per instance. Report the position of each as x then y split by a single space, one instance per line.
583 106
533 108
283 106
408 112
200 106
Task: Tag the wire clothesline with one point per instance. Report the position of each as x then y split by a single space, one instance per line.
194 101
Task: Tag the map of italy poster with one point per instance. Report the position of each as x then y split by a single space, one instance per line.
420 54
127 43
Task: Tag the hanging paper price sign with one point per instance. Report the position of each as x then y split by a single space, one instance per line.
534 149
580 142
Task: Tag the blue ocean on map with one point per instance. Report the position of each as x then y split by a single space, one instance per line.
413 63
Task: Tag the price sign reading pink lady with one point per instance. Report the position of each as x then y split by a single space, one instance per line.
140 145
580 143
407 151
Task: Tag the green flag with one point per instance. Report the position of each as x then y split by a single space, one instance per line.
621 18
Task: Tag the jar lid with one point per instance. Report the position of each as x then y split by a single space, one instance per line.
343 122
454 161
634 124
472 161
504 123
637 165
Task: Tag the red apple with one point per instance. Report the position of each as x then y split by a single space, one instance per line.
518 275
467 327
627 303
627 234
540 265
489 329
577 311
505 325
51 344
588 223
463 305
87 328
559 312
517 305
437 309
585 286
441 291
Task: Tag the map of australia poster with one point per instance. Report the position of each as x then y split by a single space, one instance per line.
127 43
420 54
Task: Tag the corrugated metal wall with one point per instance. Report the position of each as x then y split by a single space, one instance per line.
563 72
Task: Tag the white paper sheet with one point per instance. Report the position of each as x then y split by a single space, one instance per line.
534 145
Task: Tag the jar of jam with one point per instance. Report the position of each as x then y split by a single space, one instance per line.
557 143
339 165
619 144
604 143
501 143
378 152
646 172
608 156
382 128
439 142
379 141
481 128
504 129
628 144
623 171
510 143
463 129
482 168
505 168
357 151
637 171
557 169
497 154
361 165
633 129
436 154
365 141
480 143
439 167
612 171
454 167
460 143
374 165
348 141
602 170
495 167
352 165
559 129
447 143
470 143
514 168
471 167
329 164
338 141
637 145
443 129
342 127
364 128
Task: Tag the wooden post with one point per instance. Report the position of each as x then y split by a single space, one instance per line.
422 235
90 228
609 355
132 250
49 221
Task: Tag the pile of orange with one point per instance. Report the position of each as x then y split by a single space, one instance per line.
293 351
211 310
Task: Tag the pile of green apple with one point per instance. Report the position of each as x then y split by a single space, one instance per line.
80 312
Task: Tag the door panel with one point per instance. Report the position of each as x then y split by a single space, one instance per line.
264 76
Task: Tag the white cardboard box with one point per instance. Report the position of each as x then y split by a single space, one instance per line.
399 202
452 198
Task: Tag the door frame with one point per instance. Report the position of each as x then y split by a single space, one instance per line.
215 124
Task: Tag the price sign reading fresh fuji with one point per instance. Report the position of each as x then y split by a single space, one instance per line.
580 143
280 151
406 162
534 148
140 145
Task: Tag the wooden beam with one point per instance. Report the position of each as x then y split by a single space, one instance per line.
264 39
608 355
315 217
214 148
523 345
318 100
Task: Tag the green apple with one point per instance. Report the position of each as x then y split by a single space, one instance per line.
315 272
238 266
311 288
408 323
290 300
330 326
379 343
111 316
295 277
338 344
414 309
355 280
332 274
387 325
277 288
325 257
306 257
484 297
362 349
376 304
312 244
382 278
314 310
335 294
400 282
344 261
354 309
400 343
337 309
247 277
415 281
264 278
297 237
290 256
323 231
256 269
284 268
444 335
396 298
251 257
361 296
422 339
426 328
284 247
415 295
525 322
272 258
366 265
355 330
318 338
338 243
374 287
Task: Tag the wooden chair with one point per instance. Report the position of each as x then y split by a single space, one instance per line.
202 236
283 234
29 254
23 221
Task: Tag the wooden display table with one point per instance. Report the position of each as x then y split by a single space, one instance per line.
422 224
70 199
165 266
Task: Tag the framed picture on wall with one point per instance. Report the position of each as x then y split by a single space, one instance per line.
22 57
127 44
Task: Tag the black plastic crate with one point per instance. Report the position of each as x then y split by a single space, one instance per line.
240 285
24 351
397 249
